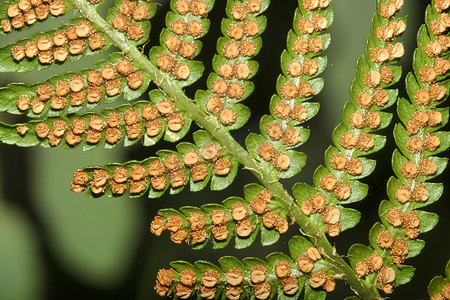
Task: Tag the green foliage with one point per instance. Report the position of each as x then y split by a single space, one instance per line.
64 110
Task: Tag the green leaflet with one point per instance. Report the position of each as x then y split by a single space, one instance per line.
9 64
232 223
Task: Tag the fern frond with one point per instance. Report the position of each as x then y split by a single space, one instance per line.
71 92
337 183
21 15
69 42
180 41
242 218
282 130
193 164
132 19
229 83
414 163
279 274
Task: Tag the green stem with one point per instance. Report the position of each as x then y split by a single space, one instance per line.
232 147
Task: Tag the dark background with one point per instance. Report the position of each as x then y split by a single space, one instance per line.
71 247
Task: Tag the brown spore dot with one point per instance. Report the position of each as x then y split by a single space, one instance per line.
409 170
166 62
275 131
348 140
195 28
153 127
181 72
226 70
187 50
357 120
42 130
365 142
289 285
222 166
141 12
235 90
282 110
343 191
354 166
364 100
235 31
228 116
328 182
239 12
266 151
281 162
338 161
31 49
23 103
18 52
175 122
173 163
210 152
403 194
251 28
239 211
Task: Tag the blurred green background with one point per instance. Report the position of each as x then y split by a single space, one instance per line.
55 244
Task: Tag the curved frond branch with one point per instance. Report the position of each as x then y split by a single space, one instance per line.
336 184
414 163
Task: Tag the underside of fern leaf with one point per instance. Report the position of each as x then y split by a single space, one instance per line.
155 77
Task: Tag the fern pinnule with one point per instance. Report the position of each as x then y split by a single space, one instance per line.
281 131
180 43
414 163
336 183
194 164
229 84
69 42
15 16
279 274
242 218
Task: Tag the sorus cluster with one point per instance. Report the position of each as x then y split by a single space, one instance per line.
128 14
70 40
179 42
91 86
158 173
232 65
209 281
221 222
27 12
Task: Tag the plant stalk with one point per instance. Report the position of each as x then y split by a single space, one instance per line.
232 147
